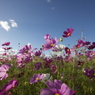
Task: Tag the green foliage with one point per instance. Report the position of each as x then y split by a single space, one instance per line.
72 75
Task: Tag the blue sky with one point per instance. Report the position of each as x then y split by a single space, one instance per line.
27 21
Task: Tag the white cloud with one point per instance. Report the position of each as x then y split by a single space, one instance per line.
13 23
1 50
48 1
4 24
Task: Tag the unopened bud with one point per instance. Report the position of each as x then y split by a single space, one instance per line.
61 39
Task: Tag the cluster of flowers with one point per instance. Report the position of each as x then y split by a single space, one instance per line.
27 54
54 88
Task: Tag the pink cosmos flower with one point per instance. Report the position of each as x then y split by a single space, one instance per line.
3 70
36 78
11 85
68 32
56 88
47 36
50 43
22 59
90 54
25 49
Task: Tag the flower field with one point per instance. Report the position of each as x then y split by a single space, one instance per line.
68 71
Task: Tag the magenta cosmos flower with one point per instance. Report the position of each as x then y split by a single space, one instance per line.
47 62
68 32
38 65
89 73
11 85
38 53
3 70
6 44
53 68
56 88
36 78
67 50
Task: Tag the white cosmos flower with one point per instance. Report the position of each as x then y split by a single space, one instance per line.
46 77
59 47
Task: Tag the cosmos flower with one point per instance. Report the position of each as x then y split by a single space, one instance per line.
93 43
91 47
38 53
80 63
36 78
90 54
50 43
56 88
59 58
81 42
25 49
3 70
67 50
89 73
67 58
46 77
53 68
68 32
48 61
11 85
59 47
47 36
38 65
6 44
86 43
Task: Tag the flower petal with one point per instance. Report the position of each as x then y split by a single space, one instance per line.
51 86
65 90
46 91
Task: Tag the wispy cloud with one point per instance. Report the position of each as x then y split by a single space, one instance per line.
48 1
13 23
4 24
53 8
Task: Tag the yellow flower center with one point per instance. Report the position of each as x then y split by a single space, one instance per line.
68 49
43 46
13 86
90 53
26 51
37 78
78 46
54 68
25 83
57 94
52 45
68 34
